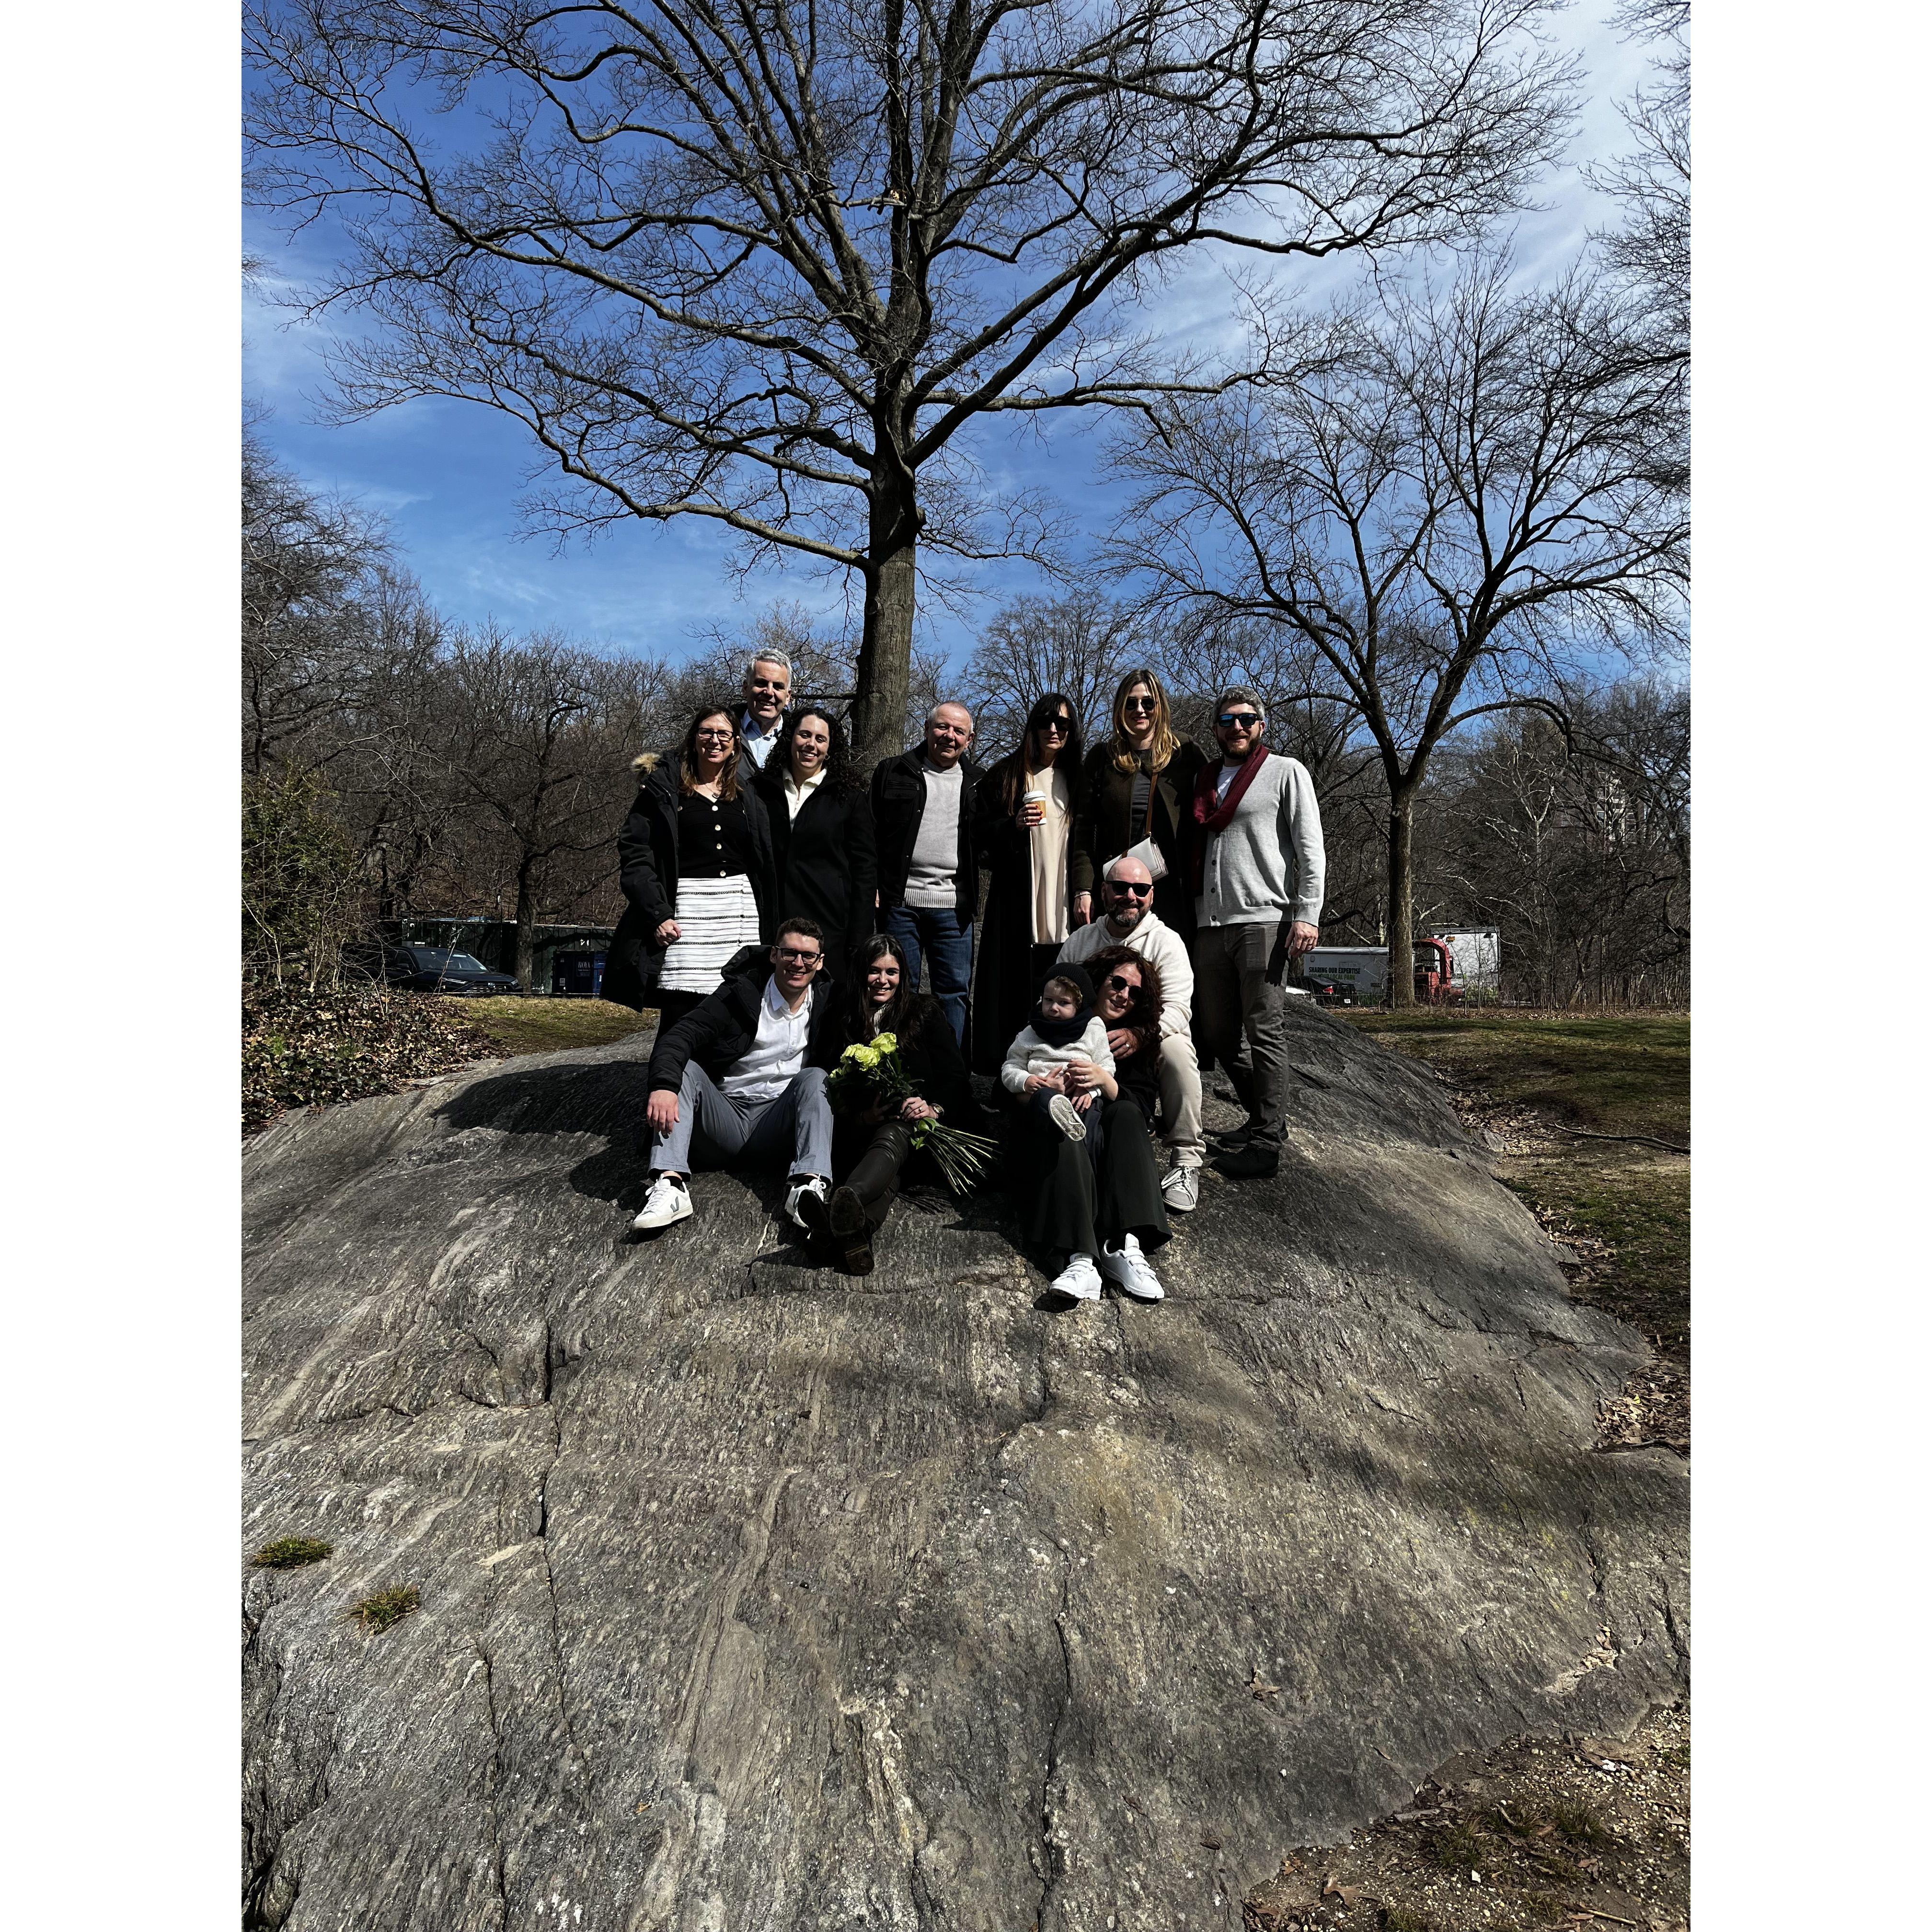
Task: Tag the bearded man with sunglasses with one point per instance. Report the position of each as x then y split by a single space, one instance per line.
1132 921
1258 867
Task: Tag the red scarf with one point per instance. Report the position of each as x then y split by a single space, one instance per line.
1212 818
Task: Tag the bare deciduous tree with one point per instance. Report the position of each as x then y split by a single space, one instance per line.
1437 499
1078 645
763 263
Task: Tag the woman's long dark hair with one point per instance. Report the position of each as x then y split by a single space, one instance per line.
1144 1015
1012 769
687 753
841 774
858 1008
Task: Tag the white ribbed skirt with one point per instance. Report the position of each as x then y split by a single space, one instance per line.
714 918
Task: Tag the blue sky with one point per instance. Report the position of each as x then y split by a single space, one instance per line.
448 475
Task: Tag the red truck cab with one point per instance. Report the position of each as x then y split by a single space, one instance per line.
1435 974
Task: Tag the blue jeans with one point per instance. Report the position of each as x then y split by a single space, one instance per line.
938 932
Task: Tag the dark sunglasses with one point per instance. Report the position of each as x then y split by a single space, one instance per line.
1119 983
1139 704
1062 725
1127 885
1246 720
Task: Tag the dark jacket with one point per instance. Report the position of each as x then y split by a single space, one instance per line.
899 804
1102 815
1004 988
932 1061
826 859
723 1026
647 871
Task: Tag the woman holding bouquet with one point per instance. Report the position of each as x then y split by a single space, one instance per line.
872 1132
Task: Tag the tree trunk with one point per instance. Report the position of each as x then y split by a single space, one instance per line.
885 649
526 926
1401 899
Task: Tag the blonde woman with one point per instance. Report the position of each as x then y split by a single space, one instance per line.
1136 786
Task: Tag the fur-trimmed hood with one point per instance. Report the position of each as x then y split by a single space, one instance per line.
645 763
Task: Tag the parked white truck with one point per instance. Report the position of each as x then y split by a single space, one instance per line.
1450 964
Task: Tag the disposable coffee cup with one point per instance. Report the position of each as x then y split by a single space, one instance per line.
1030 799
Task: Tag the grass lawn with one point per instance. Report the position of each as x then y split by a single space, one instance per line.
519 1025
1624 1206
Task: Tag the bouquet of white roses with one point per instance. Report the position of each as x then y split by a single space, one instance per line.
869 1072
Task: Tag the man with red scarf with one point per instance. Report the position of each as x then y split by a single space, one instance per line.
1258 867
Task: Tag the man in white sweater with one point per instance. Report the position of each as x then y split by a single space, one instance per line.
1132 921
1259 866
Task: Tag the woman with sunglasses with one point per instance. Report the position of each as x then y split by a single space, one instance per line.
1136 787
695 864
1094 1209
1023 830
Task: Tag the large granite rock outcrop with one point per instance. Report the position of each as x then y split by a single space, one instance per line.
756 1597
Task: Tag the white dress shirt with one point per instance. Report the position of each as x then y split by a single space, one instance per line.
777 1056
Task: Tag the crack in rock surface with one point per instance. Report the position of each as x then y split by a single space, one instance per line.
754 1598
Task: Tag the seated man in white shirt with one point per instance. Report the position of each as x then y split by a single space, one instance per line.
1132 921
742 1076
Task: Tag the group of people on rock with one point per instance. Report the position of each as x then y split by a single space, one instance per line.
1144 903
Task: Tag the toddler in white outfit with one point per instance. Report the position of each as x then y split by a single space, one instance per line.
1065 1028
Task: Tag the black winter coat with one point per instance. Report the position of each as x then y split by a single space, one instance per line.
723 1026
899 804
827 860
1102 815
647 863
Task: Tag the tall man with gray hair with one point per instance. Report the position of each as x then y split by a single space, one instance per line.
1257 872
767 691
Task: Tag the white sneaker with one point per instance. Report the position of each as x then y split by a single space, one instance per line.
1066 1117
1128 1266
1181 1188
668 1200
815 1185
1079 1280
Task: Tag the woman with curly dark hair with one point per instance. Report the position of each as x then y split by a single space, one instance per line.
1093 1208
822 844
868 1148
694 862
1023 830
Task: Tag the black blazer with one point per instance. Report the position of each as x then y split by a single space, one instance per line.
647 863
723 1026
827 860
899 804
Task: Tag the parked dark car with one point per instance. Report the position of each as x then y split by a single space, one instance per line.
427 969
1324 992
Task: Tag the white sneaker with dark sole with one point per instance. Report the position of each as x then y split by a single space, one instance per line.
668 1200
1127 1267
1066 1118
1181 1188
815 1184
1079 1280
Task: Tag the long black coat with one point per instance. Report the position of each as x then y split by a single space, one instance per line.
1102 811
826 860
1003 989
647 863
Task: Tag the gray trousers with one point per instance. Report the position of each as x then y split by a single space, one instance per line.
715 1127
1232 997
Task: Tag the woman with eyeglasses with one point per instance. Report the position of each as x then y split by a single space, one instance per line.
695 864
823 846
1093 1209
1135 789
1023 830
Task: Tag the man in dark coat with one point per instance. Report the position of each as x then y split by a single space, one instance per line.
922 807
742 1074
